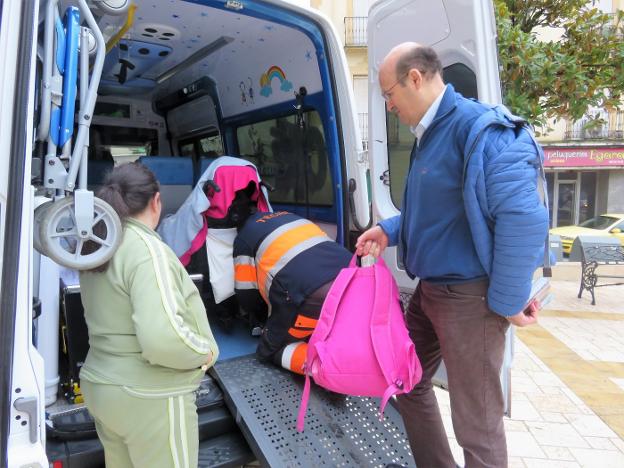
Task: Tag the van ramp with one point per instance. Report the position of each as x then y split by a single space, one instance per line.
340 431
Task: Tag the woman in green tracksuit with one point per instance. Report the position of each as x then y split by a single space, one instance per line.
150 341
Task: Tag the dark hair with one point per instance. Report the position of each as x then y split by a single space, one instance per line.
423 58
128 189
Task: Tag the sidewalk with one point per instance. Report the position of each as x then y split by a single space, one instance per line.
567 384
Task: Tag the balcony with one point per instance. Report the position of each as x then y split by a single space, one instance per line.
363 121
355 31
612 127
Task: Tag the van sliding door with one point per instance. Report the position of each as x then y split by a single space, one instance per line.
22 431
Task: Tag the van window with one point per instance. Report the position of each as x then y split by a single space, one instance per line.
202 146
112 110
278 148
121 144
126 154
401 140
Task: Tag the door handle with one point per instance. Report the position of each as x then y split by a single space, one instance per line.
29 406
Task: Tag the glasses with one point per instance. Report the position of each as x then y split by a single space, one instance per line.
386 94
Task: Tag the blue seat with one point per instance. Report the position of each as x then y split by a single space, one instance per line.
203 165
175 175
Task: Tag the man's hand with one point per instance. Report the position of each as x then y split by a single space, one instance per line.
527 317
372 242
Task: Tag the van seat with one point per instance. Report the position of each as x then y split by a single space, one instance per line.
204 162
175 175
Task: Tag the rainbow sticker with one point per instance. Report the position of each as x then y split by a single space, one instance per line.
266 79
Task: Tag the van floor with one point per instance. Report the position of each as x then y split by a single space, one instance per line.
235 342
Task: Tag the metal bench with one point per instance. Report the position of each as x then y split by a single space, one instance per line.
594 252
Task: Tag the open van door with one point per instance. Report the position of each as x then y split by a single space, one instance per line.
22 430
463 33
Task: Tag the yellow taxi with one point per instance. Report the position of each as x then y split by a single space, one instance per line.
603 225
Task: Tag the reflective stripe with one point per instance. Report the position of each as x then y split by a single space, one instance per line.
305 322
194 341
297 333
294 356
245 273
245 276
245 285
244 260
289 255
172 433
266 243
281 246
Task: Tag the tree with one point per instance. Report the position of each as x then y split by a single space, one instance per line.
564 78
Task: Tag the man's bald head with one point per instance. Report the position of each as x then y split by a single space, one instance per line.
410 55
410 78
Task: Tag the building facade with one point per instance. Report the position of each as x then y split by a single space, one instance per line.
585 171
585 165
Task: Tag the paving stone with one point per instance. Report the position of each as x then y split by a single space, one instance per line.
523 444
556 434
592 458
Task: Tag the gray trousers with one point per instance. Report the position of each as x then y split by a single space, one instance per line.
454 323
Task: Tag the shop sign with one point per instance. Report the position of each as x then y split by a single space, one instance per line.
583 157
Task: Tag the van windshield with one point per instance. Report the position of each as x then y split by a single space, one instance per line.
599 222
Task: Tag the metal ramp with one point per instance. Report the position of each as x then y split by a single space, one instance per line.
340 431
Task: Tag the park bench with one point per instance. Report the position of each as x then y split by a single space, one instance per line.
595 252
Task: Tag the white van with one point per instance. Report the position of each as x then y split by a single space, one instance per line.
174 84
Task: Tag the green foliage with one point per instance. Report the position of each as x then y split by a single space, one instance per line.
561 78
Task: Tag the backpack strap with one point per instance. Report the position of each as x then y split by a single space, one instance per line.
323 327
381 333
303 406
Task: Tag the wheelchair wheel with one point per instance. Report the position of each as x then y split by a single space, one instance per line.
37 216
61 242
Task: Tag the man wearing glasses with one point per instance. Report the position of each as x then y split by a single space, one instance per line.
473 235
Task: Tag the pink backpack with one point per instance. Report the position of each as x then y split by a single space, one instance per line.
360 345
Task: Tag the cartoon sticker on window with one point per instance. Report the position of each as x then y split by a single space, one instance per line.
267 78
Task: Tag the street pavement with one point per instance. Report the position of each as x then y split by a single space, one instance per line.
567 383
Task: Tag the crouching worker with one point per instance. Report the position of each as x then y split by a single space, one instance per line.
284 266
150 341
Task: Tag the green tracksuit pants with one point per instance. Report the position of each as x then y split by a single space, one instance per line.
143 432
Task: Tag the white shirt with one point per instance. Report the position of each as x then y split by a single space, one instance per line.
424 123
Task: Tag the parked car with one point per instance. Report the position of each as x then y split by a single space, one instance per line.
603 225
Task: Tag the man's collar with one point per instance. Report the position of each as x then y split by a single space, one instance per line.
419 130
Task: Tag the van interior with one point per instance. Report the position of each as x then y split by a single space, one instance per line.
182 83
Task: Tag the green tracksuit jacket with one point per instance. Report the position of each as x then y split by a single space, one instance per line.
147 324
